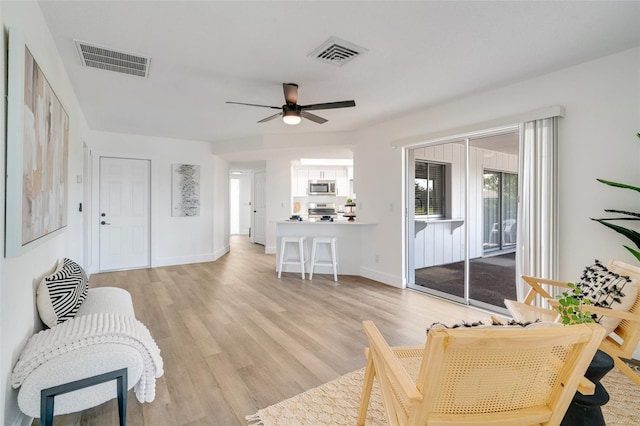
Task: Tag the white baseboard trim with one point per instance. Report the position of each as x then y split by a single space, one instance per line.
183 260
382 277
270 250
221 252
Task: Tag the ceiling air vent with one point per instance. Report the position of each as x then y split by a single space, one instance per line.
104 58
337 52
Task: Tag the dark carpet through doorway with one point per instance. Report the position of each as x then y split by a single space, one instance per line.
492 279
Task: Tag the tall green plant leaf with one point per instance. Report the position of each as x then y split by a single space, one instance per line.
623 212
636 253
629 233
619 185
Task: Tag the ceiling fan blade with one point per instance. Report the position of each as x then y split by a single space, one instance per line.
313 117
329 105
256 105
290 93
271 117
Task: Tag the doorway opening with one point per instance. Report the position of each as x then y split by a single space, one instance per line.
462 224
240 202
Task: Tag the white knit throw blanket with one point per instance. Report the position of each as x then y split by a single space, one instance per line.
88 330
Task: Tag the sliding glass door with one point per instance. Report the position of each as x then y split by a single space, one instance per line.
500 205
462 199
438 204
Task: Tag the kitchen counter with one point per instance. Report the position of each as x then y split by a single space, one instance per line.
324 222
349 235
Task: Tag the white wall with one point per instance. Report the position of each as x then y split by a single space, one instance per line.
597 139
168 243
20 275
220 208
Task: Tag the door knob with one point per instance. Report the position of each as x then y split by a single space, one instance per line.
104 223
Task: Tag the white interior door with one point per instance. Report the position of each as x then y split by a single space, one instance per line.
124 213
259 207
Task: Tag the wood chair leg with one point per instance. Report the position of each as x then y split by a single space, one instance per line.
367 385
628 371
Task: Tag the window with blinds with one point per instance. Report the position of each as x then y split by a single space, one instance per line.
430 189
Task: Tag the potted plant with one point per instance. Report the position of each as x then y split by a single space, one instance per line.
584 409
569 306
629 233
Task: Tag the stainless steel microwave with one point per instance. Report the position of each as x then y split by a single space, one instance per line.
322 187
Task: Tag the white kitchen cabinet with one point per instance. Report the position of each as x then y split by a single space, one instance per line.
342 182
322 174
302 176
302 180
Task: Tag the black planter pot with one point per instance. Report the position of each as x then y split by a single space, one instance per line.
584 410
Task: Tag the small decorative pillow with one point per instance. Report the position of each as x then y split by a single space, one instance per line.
60 294
607 289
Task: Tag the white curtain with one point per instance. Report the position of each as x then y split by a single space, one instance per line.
537 241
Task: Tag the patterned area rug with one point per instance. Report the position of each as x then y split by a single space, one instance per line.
336 403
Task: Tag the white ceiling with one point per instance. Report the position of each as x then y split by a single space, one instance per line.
419 54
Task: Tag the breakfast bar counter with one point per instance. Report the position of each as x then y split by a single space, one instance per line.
348 236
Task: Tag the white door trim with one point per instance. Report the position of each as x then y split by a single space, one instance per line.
254 207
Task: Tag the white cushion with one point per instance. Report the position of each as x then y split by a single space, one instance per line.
60 294
112 300
78 364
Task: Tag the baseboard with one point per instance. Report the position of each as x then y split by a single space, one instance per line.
382 277
221 252
270 250
183 260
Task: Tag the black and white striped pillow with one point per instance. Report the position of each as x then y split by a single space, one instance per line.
60 294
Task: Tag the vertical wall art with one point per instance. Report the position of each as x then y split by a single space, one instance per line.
37 153
186 190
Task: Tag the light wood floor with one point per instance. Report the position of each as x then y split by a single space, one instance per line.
235 338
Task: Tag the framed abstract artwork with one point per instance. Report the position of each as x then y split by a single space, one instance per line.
37 153
185 194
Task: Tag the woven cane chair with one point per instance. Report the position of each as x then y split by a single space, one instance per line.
497 376
627 333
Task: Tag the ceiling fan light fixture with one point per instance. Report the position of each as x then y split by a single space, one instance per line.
291 117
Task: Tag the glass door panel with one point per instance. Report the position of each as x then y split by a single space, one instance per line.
492 276
437 206
491 210
509 209
500 205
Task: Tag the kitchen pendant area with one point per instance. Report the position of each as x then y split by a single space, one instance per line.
323 212
322 189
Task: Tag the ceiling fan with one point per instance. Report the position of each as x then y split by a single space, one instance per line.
292 113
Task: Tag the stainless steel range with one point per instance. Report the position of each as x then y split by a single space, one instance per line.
322 211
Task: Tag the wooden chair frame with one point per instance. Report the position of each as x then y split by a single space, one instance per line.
412 402
627 334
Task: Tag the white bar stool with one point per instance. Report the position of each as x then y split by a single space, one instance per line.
333 261
300 260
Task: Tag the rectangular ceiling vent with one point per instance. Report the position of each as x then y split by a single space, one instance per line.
104 58
337 52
